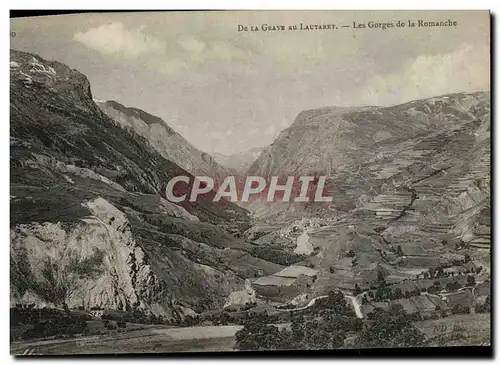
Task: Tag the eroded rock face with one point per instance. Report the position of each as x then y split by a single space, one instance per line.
96 262
242 297
89 225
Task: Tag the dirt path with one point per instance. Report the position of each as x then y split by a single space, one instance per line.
304 247
356 305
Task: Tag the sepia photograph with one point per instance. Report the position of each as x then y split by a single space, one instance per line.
250 181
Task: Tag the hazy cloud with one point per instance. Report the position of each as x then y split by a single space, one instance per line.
465 69
168 56
114 38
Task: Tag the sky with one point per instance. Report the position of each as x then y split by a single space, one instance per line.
228 91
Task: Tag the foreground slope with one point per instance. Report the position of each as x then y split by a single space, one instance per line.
89 226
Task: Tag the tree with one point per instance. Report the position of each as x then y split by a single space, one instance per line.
439 272
432 272
379 295
452 286
486 307
458 309
56 326
336 301
380 276
327 331
432 289
471 281
357 290
257 335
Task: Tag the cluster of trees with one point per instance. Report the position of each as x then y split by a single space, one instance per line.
397 250
453 286
383 293
277 256
335 302
435 273
136 316
111 326
58 326
44 322
352 255
28 314
243 308
323 326
485 307
390 328
438 272
257 335
327 326
460 309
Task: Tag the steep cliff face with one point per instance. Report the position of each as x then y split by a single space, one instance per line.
89 225
165 140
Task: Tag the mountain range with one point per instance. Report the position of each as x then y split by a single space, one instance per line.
90 225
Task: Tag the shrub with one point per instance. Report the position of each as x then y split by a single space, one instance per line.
471 280
59 326
110 326
453 286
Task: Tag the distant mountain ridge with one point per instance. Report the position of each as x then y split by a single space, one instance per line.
164 139
239 162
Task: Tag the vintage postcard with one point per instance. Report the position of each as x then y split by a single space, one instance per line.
217 181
